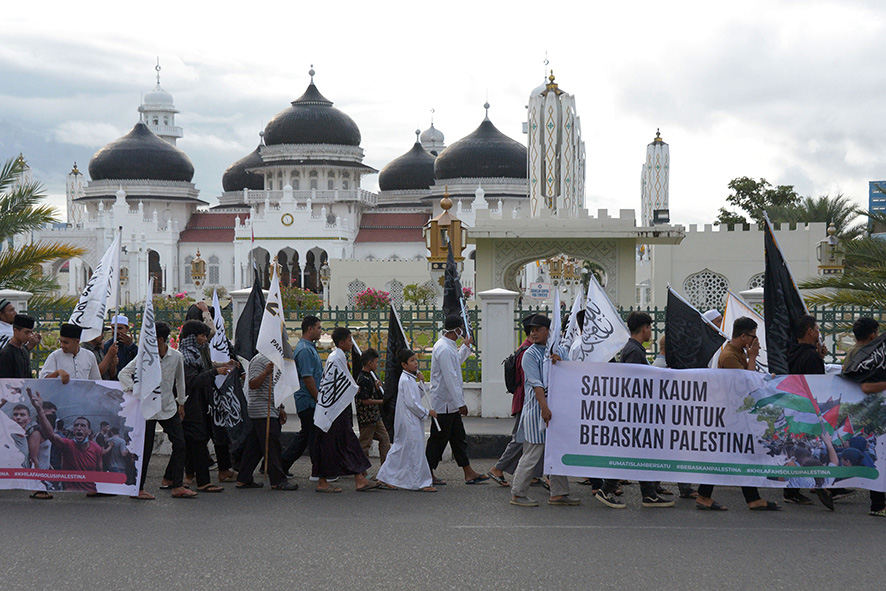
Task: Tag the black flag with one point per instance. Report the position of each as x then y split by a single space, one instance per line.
782 304
396 343
452 292
690 340
869 363
249 322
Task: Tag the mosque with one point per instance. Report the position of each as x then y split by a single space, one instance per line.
297 197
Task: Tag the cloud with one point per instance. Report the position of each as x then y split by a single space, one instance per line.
92 134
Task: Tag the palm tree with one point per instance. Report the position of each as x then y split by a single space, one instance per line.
863 282
21 212
838 210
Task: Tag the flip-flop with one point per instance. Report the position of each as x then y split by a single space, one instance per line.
211 489
427 489
370 486
172 486
386 486
499 479
143 496
184 495
252 484
478 479
439 482
328 489
769 506
42 495
715 506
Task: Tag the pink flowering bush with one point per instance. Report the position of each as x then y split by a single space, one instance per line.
467 292
372 299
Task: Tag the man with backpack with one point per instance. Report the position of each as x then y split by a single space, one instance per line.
514 383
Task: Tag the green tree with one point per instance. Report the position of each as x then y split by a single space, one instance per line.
419 294
838 210
863 282
22 211
753 197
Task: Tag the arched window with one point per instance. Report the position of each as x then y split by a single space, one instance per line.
213 270
354 287
344 185
188 260
755 281
166 120
156 121
313 183
706 289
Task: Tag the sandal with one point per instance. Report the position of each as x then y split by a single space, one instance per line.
439 482
499 479
769 506
185 494
252 484
385 486
370 486
211 489
328 489
715 506
479 479
41 495
427 489
285 486
171 486
143 496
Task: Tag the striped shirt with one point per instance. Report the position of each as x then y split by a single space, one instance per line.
535 374
257 400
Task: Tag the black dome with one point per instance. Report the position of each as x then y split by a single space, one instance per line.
312 120
141 155
485 153
236 178
412 170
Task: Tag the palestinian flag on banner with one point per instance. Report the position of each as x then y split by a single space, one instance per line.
830 412
792 392
844 432
811 423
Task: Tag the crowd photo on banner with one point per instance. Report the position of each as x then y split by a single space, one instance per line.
734 397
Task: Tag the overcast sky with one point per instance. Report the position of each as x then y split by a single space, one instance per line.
789 91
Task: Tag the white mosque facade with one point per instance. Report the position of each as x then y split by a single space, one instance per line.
298 197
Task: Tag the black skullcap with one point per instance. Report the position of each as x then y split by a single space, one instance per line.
70 331
23 321
452 322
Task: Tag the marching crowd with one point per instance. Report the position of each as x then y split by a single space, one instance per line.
407 461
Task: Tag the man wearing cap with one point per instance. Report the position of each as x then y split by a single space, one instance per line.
127 350
7 317
536 416
107 362
448 400
70 361
15 358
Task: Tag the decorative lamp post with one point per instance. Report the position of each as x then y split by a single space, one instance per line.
440 232
198 272
325 277
829 254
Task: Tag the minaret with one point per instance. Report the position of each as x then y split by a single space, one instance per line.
74 190
654 185
158 112
556 152
432 139
23 177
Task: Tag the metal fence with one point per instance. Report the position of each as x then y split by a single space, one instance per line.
370 327
835 325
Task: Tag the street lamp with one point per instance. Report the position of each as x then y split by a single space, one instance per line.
325 277
198 272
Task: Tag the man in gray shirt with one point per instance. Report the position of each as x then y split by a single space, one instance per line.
116 452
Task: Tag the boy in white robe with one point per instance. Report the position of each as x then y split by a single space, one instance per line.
406 465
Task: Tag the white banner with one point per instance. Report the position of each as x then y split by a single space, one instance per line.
572 333
273 343
626 421
99 293
337 390
148 376
218 346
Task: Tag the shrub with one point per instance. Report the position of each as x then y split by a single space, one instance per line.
372 299
296 298
419 295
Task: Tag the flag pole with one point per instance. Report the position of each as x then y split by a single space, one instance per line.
117 302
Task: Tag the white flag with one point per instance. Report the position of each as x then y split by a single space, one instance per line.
218 346
148 376
273 343
604 333
337 390
572 331
100 291
736 308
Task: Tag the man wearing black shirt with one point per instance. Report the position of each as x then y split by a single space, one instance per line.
15 357
640 325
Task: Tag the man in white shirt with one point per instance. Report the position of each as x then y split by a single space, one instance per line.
172 397
448 400
70 361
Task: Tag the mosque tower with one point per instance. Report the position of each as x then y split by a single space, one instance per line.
158 112
432 139
74 191
654 184
556 152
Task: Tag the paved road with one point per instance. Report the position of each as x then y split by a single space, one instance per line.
463 537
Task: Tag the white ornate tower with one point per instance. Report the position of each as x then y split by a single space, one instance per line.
556 151
158 112
432 139
654 184
74 190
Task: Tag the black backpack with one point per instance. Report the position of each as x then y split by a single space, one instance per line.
510 364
